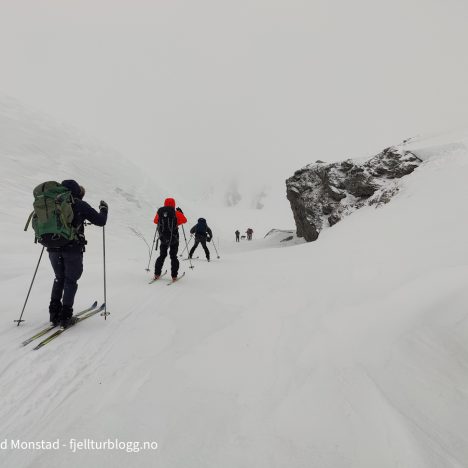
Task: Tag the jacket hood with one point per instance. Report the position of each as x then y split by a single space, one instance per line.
201 220
74 187
169 202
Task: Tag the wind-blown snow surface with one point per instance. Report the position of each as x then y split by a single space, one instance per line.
347 352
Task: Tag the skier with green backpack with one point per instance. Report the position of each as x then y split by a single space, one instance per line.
58 222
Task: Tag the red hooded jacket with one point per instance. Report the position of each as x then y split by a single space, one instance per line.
181 219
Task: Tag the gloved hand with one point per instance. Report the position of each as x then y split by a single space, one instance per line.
179 210
103 206
208 239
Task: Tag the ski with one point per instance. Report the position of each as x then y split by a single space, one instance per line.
177 279
51 327
198 258
154 280
187 259
61 330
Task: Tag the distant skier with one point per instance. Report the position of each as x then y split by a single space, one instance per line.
168 219
67 259
249 233
203 235
237 235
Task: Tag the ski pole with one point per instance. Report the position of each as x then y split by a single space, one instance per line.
185 237
142 237
214 245
152 247
185 248
30 287
105 313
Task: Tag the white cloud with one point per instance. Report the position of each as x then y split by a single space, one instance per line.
202 88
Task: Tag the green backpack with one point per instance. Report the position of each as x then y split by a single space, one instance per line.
53 215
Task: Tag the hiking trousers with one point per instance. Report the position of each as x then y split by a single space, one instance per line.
68 268
163 249
205 248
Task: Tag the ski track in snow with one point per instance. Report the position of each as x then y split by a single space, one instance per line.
348 352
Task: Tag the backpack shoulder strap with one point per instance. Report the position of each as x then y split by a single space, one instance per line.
29 220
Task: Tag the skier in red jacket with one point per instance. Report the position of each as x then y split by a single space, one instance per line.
168 218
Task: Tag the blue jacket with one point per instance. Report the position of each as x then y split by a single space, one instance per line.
202 231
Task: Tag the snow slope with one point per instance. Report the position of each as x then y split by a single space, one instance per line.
348 352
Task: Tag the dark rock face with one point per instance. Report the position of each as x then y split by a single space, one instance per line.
321 194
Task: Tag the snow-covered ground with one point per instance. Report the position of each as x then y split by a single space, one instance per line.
348 352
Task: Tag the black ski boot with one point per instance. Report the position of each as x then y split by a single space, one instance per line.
66 318
55 312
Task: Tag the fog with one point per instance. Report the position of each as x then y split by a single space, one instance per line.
209 90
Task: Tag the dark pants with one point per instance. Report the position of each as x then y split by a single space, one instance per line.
237 238
163 248
68 267
205 248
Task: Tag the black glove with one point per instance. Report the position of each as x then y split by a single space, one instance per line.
179 210
103 206
208 239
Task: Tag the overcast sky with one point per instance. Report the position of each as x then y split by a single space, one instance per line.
212 86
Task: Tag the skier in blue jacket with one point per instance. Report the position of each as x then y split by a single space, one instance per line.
202 234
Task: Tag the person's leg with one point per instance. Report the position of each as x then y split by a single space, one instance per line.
73 263
174 260
205 248
195 245
55 306
160 260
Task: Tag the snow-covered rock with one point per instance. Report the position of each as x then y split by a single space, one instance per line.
321 194
281 238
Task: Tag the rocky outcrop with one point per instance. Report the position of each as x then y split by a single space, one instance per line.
321 194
